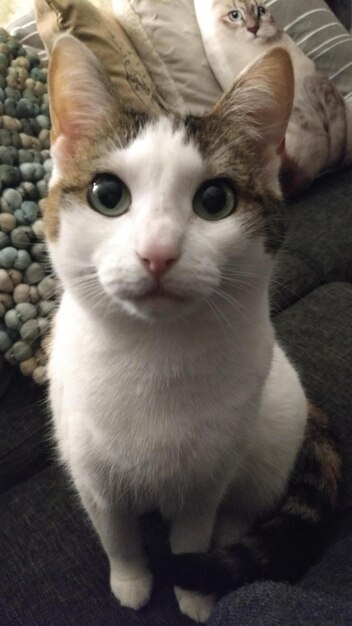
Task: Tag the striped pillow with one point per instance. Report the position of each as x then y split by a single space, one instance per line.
26 30
319 33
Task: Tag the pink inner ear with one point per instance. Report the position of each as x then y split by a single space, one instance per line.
72 121
67 128
78 99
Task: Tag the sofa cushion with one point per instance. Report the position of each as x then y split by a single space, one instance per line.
24 428
317 247
274 604
53 569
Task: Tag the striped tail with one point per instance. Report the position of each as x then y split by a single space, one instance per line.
286 545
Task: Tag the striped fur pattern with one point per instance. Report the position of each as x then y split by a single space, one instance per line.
284 545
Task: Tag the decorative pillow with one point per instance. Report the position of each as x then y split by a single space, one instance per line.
27 293
166 35
11 9
105 37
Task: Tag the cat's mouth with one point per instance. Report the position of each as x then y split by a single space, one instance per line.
158 293
157 303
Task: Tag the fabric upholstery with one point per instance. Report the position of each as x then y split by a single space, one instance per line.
317 248
24 427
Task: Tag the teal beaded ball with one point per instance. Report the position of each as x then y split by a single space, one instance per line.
27 289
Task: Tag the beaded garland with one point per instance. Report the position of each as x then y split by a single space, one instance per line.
27 289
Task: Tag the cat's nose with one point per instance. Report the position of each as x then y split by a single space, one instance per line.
253 29
157 263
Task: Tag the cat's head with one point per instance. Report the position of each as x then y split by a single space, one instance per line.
246 19
154 217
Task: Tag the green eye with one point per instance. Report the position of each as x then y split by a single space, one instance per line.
235 16
108 195
214 200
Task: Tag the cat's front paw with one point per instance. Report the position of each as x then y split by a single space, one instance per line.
194 605
132 592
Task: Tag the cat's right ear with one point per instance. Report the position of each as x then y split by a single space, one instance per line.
81 97
260 102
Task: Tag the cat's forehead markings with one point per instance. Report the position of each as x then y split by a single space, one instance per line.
146 146
222 149
163 148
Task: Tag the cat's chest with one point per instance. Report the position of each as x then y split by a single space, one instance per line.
115 376
149 438
140 400
148 414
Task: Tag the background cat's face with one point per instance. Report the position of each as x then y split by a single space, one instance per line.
247 19
155 217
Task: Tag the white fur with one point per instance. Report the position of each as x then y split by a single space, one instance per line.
168 403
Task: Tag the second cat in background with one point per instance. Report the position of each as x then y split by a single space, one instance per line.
235 33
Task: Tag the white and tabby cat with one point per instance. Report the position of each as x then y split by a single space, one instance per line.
167 387
235 33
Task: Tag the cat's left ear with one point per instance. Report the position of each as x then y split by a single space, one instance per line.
80 94
260 102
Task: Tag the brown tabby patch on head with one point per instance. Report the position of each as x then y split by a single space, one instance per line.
119 131
231 155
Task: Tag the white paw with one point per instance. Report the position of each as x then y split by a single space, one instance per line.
194 605
132 592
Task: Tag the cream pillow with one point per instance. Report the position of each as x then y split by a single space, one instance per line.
167 37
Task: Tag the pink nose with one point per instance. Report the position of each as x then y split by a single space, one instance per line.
157 263
253 29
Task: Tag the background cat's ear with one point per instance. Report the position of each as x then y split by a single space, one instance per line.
80 94
261 99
